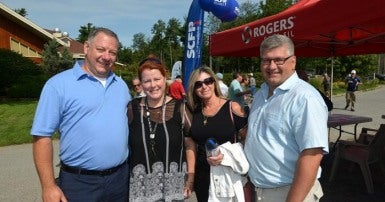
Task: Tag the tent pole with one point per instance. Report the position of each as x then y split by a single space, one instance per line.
331 80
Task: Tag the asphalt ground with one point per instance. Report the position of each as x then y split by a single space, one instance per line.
19 181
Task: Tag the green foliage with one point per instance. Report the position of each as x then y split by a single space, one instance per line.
365 65
84 32
21 11
27 86
271 7
125 55
54 61
18 74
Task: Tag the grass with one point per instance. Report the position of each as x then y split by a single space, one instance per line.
16 122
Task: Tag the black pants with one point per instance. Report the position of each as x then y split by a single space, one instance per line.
201 184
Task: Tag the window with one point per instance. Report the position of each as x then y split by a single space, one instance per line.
23 49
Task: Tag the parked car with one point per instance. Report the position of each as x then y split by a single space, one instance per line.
380 76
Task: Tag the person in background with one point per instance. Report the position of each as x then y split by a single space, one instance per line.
253 84
176 89
352 86
326 84
137 88
236 92
303 75
162 160
287 131
87 105
245 88
224 88
213 117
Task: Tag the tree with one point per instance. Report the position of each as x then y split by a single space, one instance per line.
21 11
271 7
54 61
140 47
365 65
84 31
158 39
172 35
125 55
66 60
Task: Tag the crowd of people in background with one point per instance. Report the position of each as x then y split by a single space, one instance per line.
152 146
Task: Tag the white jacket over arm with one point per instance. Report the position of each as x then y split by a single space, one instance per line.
226 180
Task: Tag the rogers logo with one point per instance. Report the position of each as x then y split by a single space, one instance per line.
268 29
247 35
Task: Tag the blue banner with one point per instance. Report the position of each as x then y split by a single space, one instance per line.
194 43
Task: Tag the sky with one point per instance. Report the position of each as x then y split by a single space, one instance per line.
126 18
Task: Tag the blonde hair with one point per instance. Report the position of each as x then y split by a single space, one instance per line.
192 98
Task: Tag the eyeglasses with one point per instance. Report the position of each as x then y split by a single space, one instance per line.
277 61
206 81
154 60
136 85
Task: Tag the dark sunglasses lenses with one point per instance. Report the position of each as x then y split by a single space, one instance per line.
207 81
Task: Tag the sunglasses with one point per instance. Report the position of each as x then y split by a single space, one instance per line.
136 85
154 60
206 81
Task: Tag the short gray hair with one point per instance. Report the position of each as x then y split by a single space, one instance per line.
96 31
275 41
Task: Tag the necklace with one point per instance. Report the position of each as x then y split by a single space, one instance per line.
205 118
151 129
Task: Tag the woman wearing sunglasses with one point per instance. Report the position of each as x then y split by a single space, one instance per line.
213 117
161 161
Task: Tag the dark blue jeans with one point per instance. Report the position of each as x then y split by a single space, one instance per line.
95 188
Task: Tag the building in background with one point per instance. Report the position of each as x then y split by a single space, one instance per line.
23 36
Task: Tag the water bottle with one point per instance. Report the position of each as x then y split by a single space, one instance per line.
211 147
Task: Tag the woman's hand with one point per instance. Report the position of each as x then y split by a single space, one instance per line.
215 160
188 186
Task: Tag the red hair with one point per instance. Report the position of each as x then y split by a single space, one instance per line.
150 63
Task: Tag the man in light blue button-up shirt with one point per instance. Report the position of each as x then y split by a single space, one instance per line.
87 105
287 129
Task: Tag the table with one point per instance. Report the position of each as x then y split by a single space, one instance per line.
338 120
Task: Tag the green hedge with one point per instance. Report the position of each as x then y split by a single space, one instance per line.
20 77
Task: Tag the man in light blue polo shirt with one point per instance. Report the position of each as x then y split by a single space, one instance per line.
87 106
287 129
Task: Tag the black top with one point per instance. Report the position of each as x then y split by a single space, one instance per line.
220 126
161 162
352 83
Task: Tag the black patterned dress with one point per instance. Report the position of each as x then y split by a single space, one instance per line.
158 167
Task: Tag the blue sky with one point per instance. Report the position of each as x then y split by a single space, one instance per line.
126 18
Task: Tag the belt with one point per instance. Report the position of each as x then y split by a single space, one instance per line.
81 171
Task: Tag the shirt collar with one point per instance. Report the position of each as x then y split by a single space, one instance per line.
285 86
80 73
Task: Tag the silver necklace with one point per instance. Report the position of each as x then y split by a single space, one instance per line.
151 129
206 117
